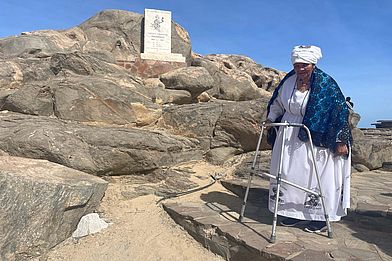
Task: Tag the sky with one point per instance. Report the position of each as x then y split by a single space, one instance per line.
355 35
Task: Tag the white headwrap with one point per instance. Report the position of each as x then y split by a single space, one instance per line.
306 54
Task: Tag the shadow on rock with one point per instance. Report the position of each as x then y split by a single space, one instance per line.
230 206
373 233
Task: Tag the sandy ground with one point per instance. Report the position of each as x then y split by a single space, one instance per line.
140 229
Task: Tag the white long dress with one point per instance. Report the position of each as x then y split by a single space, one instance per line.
334 171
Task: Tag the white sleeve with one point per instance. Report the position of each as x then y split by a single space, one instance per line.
276 109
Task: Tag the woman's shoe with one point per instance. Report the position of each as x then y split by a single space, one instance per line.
290 222
316 227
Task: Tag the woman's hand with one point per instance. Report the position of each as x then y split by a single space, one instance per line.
267 121
341 149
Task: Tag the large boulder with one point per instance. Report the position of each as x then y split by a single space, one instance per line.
86 99
193 120
41 204
99 150
238 125
33 43
10 74
224 128
354 119
16 72
372 147
264 77
233 81
195 80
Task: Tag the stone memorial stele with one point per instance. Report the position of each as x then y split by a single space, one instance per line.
157 37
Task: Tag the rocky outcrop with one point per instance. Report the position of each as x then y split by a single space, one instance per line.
99 150
41 204
76 87
74 75
194 80
372 147
111 35
230 83
264 77
105 43
223 128
86 99
354 119
119 32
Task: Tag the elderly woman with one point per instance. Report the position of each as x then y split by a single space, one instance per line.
309 96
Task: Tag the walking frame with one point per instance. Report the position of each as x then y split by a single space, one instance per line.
278 176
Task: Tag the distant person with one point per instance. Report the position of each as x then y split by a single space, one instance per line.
309 96
350 104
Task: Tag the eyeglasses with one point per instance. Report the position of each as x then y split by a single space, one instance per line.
301 65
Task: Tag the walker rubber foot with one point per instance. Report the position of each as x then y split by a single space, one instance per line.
272 239
330 234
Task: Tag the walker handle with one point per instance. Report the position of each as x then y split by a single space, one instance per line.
277 124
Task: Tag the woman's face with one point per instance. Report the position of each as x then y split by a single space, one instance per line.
303 70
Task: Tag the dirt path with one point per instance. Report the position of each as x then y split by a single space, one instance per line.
140 230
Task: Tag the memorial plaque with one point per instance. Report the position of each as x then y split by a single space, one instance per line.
157 31
157 37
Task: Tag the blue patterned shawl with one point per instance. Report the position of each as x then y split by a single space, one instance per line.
326 113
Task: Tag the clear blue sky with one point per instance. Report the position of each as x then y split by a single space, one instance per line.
354 35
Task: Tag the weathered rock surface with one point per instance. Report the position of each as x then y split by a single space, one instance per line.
235 79
195 80
41 204
372 147
110 35
354 119
212 219
264 77
86 99
99 150
229 83
218 124
74 75
79 87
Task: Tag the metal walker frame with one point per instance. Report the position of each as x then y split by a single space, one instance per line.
279 179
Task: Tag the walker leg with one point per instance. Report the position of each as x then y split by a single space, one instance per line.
278 183
329 227
241 217
275 218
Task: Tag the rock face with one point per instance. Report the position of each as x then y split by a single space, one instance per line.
77 87
195 80
238 78
92 149
372 147
73 76
221 127
264 77
111 35
85 99
41 204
